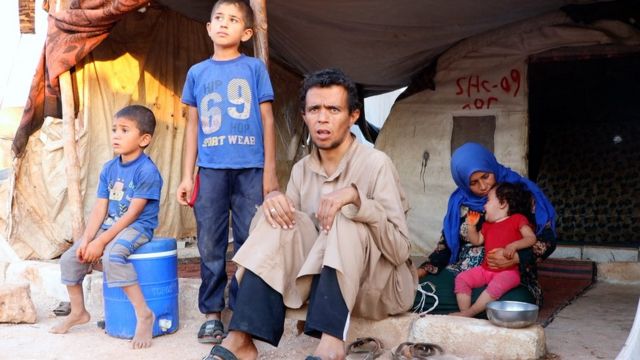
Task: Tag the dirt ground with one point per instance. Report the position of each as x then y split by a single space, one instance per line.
595 326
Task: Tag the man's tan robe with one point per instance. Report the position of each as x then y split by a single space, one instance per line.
368 246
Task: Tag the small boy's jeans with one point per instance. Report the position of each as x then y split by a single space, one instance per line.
223 192
118 271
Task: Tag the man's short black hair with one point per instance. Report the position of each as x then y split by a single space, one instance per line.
326 78
244 7
141 115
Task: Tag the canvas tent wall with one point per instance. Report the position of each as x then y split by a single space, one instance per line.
481 95
143 60
382 44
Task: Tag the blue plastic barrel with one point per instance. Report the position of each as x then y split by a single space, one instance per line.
156 263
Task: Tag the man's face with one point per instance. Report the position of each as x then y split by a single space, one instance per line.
327 116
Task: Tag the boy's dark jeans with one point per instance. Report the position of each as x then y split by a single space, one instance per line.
221 191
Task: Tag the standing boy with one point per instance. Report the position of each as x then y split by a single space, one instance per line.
230 132
122 219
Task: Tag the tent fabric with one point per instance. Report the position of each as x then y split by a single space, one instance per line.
71 35
144 61
381 44
482 76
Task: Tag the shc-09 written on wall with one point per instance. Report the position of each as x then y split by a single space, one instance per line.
482 93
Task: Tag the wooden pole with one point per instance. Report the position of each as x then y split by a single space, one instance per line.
72 162
260 38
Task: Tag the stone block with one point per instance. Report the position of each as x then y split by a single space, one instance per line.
188 299
16 305
619 272
479 339
93 294
3 271
44 277
601 254
392 330
567 252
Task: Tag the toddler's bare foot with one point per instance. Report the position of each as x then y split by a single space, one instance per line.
70 321
144 330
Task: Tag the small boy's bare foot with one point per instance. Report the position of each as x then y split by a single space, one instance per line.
144 330
70 321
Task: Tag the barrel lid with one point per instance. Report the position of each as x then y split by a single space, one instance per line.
157 245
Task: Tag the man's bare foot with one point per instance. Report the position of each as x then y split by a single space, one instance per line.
70 321
330 348
144 330
241 345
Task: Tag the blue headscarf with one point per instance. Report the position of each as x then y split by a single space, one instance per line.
466 160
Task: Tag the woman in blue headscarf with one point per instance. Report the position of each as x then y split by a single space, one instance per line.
475 171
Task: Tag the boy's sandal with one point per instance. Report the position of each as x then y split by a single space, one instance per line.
416 351
211 332
63 309
219 352
367 348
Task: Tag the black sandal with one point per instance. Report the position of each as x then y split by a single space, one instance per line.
63 309
220 352
211 332
416 351
367 348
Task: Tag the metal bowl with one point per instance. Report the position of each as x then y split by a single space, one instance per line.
512 314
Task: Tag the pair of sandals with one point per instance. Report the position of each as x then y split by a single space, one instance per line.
368 348
416 351
362 349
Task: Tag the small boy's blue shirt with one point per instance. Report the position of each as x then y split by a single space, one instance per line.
227 95
137 179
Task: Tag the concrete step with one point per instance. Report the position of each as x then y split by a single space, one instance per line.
463 337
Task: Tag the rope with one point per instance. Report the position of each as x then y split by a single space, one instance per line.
423 298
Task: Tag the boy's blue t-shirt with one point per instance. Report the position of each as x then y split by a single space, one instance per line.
137 179
227 95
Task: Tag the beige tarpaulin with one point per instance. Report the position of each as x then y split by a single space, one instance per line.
482 77
143 61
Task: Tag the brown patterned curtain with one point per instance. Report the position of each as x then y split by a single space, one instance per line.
71 35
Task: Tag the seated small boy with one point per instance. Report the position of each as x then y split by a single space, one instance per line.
122 219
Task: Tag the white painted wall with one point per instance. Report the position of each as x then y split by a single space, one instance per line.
481 76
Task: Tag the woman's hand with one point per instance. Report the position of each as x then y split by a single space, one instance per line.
497 260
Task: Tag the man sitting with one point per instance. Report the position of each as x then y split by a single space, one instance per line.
338 239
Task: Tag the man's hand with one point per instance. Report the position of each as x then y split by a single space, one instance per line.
184 191
93 251
331 203
497 260
472 217
279 210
